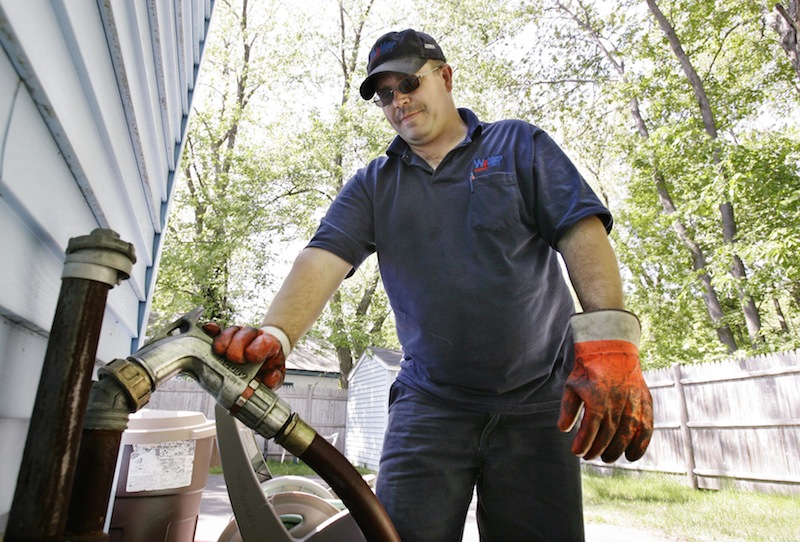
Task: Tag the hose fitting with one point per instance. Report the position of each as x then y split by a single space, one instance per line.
100 256
183 347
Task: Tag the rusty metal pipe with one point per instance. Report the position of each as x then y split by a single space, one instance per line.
106 420
45 478
91 493
93 265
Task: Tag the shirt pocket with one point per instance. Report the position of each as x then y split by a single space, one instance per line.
494 202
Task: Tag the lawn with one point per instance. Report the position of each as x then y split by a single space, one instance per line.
662 504
289 467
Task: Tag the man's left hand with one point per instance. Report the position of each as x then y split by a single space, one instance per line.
607 380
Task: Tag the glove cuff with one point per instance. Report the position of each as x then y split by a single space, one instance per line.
278 333
605 325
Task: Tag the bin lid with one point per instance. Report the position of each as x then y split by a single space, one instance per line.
153 426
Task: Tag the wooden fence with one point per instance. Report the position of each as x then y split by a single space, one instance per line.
727 424
324 409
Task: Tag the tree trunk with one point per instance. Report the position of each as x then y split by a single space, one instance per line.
699 264
346 351
737 271
746 301
787 25
345 357
781 316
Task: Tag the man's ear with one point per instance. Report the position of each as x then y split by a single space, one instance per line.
447 74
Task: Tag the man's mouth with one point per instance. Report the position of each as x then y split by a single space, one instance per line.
405 115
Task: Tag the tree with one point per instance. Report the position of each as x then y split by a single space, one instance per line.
596 62
282 129
211 193
229 180
260 167
787 25
358 310
584 19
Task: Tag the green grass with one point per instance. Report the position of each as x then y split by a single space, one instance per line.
665 506
289 468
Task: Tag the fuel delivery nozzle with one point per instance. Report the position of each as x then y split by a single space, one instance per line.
183 347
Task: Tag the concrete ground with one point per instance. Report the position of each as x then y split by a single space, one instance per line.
215 514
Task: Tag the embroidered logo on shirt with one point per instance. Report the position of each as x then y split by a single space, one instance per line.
482 164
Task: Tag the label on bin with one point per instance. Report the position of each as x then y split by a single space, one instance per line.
165 465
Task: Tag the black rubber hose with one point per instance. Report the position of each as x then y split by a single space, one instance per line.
349 486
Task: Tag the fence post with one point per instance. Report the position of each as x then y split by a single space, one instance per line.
310 403
686 433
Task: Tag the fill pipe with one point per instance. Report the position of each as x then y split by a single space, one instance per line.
94 264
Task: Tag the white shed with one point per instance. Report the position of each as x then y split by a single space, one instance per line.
367 405
94 104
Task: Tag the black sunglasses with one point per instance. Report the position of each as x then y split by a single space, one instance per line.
385 96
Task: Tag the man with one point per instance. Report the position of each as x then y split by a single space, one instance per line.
468 219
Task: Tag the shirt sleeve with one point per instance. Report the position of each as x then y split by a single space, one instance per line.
347 229
562 195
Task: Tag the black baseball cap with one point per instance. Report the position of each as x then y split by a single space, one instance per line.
399 52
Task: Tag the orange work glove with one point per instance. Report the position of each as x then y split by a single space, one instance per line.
267 346
607 380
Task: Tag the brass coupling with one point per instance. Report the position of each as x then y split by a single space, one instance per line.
133 378
296 436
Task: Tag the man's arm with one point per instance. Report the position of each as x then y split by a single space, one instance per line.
592 265
315 276
313 279
606 379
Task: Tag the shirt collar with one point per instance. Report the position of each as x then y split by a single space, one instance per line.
398 147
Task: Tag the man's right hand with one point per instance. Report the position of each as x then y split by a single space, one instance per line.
250 345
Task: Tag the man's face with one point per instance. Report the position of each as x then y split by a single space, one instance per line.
417 116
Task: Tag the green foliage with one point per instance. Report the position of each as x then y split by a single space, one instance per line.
209 253
668 171
280 128
261 166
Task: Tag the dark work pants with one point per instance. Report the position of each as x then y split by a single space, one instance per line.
528 482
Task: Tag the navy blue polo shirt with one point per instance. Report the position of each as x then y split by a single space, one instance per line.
467 256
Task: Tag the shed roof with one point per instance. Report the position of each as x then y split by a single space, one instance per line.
387 358
312 355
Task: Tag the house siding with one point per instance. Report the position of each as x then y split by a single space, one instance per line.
367 411
94 101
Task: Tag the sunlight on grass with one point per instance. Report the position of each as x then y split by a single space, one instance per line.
662 503
289 468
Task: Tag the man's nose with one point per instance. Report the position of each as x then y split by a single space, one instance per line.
399 98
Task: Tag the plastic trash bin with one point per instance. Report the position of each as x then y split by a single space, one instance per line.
162 472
